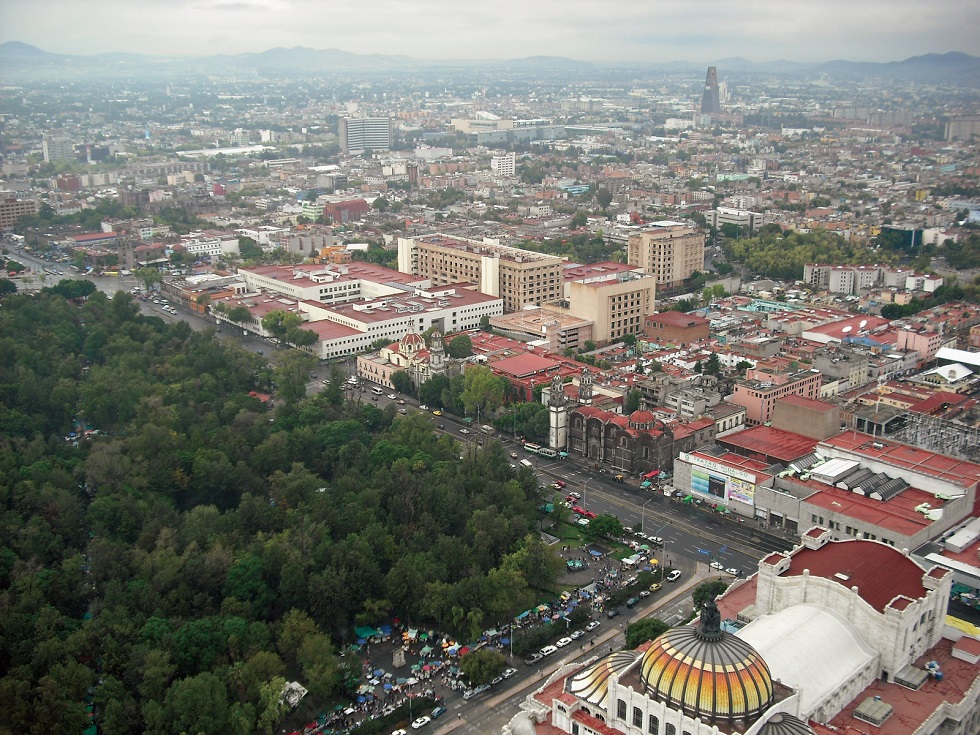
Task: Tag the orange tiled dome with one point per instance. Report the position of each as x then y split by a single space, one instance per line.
706 672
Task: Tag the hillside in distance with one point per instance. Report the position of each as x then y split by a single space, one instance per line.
21 60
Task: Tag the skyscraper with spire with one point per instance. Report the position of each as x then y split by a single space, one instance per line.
710 102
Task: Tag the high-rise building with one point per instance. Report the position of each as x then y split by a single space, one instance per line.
711 102
57 149
364 133
671 251
505 165
519 277
12 209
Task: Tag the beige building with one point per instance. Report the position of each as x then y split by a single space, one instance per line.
555 330
518 277
671 251
616 307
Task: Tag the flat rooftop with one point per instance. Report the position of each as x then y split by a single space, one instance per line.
310 274
478 247
538 321
950 469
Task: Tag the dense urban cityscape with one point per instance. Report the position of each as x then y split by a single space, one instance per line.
351 393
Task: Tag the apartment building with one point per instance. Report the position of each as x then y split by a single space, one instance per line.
761 389
505 165
12 209
364 133
519 277
671 251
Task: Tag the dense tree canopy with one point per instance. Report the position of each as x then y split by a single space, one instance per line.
172 542
783 255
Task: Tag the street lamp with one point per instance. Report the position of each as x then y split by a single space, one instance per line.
643 517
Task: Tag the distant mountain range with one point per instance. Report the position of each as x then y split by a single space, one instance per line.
21 59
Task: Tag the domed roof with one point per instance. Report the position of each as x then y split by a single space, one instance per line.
783 723
706 672
642 417
592 683
413 338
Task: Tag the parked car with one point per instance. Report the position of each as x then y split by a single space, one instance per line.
614 613
576 634
631 602
562 642
655 586
674 575
734 572
533 659
547 650
644 593
421 722
593 625
392 396
437 712
508 673
423 407
437 413
716 565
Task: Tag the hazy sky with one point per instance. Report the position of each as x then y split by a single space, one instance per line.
629 30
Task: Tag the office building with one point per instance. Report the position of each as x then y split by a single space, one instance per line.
746 222
519 277
358 134
761 389
671 251
56 148
505 165
710 100
12 209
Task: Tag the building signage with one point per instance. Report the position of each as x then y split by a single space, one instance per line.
718 467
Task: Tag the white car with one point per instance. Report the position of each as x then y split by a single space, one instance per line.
593 625
716 565
562 642
464 430
421 722
392 396
547 650
508 673
674 575
423 407
400 732
734 572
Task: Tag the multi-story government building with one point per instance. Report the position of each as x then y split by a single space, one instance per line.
671 251
364 133
518 277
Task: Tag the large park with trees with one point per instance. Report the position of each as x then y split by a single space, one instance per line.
176 546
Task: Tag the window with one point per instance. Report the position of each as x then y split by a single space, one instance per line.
621 709
669 729
653 726
637 717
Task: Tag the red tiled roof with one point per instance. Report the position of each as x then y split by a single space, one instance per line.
594 723
968 645
880 572
813 405
776 443
523 365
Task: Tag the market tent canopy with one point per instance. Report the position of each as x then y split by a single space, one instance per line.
652 474
366 632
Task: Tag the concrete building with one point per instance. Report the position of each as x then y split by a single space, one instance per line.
614 297
12 209
761 389
411 354
57 148
505 165
518 277
359 134
746 222
671 251
553 330
675 328
710 100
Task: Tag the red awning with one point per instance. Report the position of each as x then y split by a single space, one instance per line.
654 473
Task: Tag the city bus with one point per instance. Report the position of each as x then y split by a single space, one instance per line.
532 448
547 452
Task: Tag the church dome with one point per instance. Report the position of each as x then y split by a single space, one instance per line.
414 339
706 672
592 682
783 723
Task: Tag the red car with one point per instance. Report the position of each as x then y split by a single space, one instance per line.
577 509
589 514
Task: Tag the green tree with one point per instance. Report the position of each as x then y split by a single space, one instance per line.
431 391
604 198
605 526
713 365
292 373
460 347
708 591
197 704
402 382
249 249
632 401
279 322
644 630
149 277
482 390
483 666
